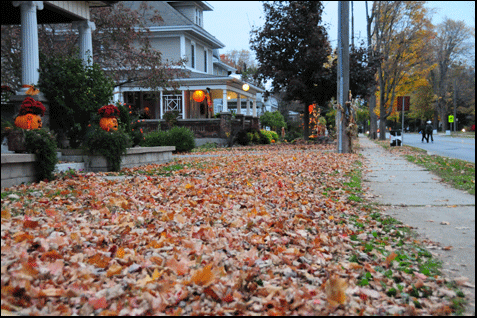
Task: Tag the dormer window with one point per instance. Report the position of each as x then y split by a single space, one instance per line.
198 17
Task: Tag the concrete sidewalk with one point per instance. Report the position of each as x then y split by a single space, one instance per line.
418 198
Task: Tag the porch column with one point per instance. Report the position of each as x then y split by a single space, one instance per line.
160 104
239 104
184 115
248 106
224 101
85 28
254 107
29 33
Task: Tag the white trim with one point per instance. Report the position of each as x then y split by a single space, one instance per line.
193 54
183 47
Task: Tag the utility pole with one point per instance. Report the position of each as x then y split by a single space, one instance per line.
352 26
344 140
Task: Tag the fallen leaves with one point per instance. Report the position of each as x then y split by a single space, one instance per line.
269 231
335 291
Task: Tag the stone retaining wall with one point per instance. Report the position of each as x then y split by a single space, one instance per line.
18 168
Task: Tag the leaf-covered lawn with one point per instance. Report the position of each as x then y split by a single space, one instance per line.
276 230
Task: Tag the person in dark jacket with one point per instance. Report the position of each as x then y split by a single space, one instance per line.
429 131
422 130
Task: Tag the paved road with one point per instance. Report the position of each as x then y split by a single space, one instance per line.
453 147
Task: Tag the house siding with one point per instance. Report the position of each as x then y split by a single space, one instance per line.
188 12
168 46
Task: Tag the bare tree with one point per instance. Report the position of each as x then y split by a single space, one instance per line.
450 45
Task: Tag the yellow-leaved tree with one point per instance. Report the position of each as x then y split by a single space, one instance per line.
402 35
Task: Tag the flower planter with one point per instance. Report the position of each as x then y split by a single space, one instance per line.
16 141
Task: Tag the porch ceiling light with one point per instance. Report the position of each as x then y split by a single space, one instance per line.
198 96
245 87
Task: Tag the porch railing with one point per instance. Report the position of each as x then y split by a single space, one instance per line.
208 128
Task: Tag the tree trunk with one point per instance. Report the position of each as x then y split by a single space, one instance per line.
382 108
373 118
306 122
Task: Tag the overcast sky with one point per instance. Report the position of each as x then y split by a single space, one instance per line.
231 21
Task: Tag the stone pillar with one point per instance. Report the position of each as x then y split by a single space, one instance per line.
29 34
225 124
239 104
254 107
85 29
248 106
224 101
241 119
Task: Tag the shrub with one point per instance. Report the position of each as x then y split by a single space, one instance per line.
109 144
129 120
170 117
275 120
75 92
242 138
155 139
180 137
263 139
43 144
271 135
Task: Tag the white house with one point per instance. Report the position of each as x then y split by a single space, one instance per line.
181 35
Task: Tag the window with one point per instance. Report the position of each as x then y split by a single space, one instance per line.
192 60
198 17
205 61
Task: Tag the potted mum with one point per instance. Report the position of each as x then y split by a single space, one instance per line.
108 119
29 118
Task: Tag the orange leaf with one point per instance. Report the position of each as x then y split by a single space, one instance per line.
229 298
30 224
335 290
99 260
50 213
210 292
22 236
390 258
53 254
157 274
419 283
98 303
75 237
114 269
203 277
120 252
6 214
180 268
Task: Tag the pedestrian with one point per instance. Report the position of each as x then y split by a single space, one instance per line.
422 130
429 131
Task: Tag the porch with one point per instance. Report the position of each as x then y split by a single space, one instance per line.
208 130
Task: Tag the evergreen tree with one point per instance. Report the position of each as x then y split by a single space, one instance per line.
292 48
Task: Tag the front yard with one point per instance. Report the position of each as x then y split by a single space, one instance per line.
271 230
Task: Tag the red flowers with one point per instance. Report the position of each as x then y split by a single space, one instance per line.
31 106
108 111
